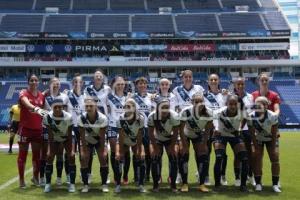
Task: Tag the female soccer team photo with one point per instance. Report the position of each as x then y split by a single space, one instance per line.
109 123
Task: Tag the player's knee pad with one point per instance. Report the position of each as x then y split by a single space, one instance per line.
242 156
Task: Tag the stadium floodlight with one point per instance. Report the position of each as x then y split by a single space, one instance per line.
51 10
241 8
165 10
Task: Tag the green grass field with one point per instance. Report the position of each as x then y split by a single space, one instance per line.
290 180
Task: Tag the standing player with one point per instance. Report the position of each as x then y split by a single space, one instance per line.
76 107
130 126
164 92
230 122
184 95
99 91
143 103
263 126
196 125
92 128
14 118
30 129
163 131
215 100
59 126
246 103
273 97
53 94
115 106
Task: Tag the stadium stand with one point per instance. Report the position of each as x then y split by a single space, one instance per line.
152 23
241 22
253 5
22 23
197 22
117 23
61 4
205 4
276 21
132 5
155 4
65 23
81 5
16 4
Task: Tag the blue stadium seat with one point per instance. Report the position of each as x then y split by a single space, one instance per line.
132 5
89 5
152 23
61 4
202 4
117 23
22 23
65 23
276 21
197 22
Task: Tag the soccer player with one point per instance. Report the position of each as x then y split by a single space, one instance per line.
115 106
59 126
230 123
263 126
184 95
53 94
14 118
99 91
30 128
163 131
130 127
185 92
144 106
215 100
76 107
92 128
196 125
246 103
273 97
164 91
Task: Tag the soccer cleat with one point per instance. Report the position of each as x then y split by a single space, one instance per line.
279 185
178 179
90 178
125 181
251 180
276 189
184 188
105 188
71 188
237 183
35 182
58 181
47 188
108 180
118 189
258 188
9 151
224 180
22 185
42 181
203 188
155 189
68 179
243 188
207 182
142 189
174 190
85 189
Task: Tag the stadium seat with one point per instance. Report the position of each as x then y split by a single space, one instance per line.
65 23
22 23
197 22
117 23
89 5
61 4
152 23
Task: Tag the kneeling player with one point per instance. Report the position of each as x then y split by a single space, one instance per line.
196 124
228 130
163 131
92 128
59 125
263 126
130 135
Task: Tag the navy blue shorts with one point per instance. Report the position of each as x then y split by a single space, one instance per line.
112 132
14 127
246 136
231 140
198 139
163 143
45 134
146 140
269 143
